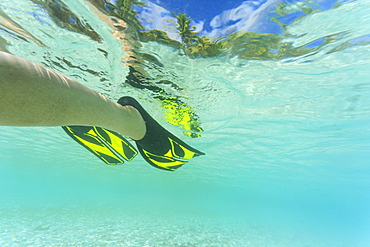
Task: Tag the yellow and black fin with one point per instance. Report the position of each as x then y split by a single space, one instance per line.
177 155
159 147
109 146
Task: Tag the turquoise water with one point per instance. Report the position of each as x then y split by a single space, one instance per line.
286 136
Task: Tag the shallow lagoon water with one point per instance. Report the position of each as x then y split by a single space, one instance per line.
287 141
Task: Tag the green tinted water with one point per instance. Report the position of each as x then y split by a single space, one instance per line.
286 142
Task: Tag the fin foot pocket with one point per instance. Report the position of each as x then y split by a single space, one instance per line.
159 147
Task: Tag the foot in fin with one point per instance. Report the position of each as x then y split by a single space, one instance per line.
159 147
109 146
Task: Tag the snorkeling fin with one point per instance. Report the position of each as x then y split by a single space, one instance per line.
159 147
107 145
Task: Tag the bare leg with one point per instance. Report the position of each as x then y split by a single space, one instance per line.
32 95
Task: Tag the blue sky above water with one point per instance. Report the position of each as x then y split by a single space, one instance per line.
206 10
220 18
216 19
199 10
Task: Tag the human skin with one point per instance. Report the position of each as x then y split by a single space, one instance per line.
33 95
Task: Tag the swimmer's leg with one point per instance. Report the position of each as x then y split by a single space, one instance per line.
32 95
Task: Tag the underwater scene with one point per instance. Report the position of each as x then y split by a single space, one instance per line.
276 93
